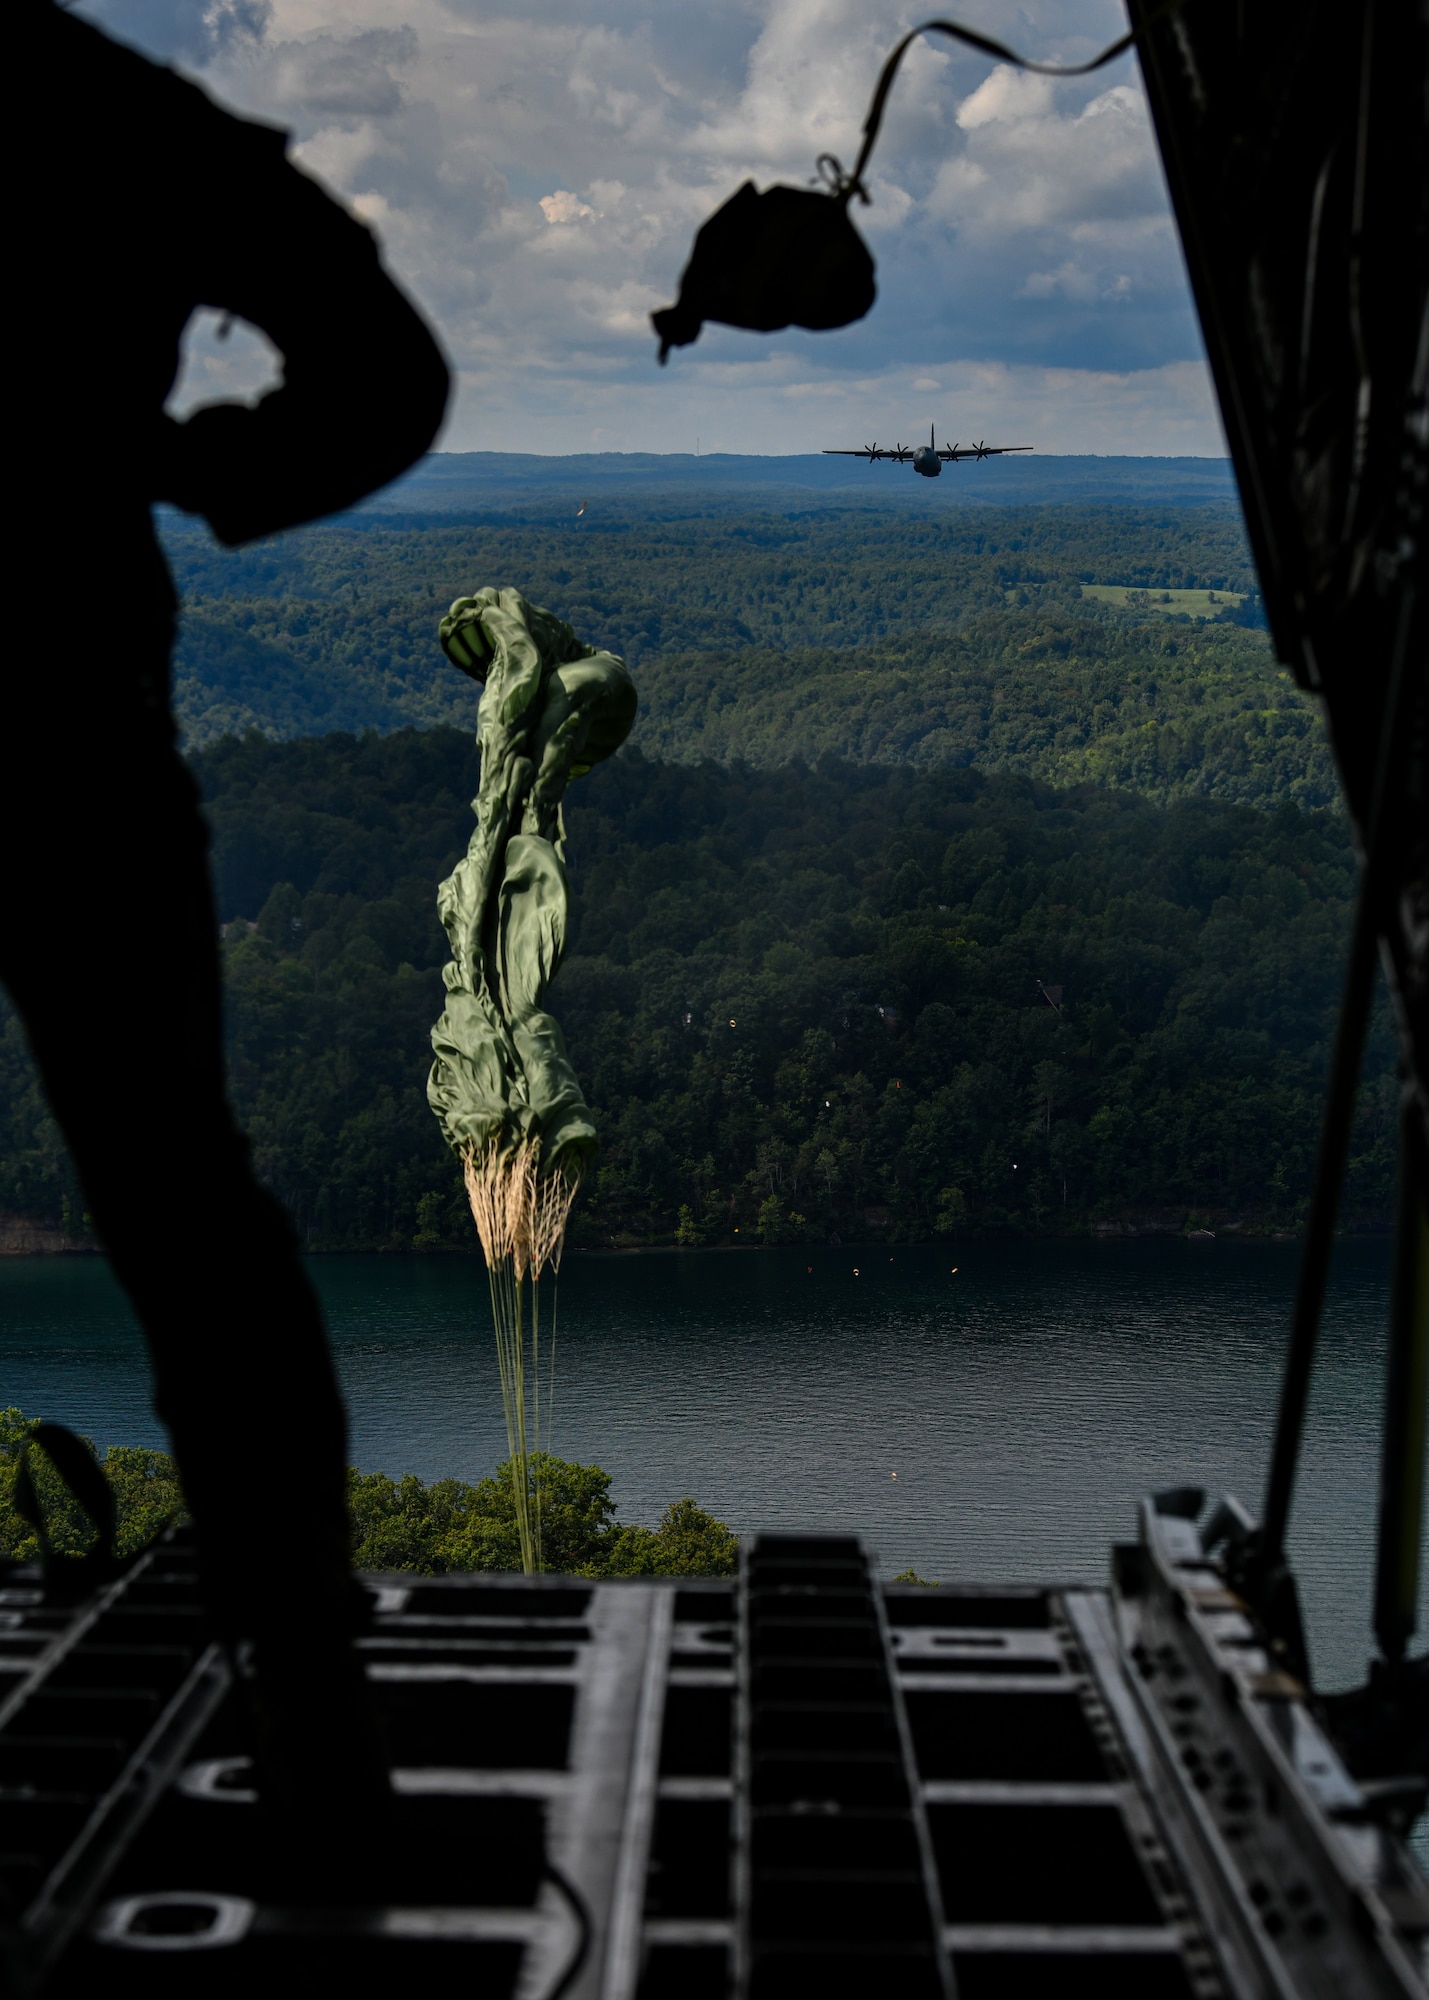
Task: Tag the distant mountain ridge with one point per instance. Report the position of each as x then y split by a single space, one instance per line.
455 481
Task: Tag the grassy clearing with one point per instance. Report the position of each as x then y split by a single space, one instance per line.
1192 603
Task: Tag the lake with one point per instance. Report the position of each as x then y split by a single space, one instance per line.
1024 1400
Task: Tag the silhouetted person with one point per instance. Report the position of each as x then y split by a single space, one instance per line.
139 201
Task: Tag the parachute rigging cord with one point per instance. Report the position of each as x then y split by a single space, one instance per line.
501 1083
521 1214
842 186
791 256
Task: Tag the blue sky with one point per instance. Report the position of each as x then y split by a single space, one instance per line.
536 172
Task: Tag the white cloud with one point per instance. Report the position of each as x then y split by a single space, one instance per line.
193 31
333 78
1007 96
1072 280
536 175
1029 164
563 206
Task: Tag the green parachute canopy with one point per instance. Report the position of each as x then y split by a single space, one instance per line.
501 1083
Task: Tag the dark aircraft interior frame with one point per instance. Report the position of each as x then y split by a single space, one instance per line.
1294 142
801 1780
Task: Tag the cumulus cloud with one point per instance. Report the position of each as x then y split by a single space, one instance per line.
194 31
536 175
563 206
341 79
1027 164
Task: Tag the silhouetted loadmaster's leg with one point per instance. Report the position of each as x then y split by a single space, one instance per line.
106 919
108 945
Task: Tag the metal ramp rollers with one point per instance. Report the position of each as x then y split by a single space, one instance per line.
835 1880
797 1783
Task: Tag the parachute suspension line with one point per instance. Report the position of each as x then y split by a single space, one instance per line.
553 1195
536 1441
554 1198
551 1362
843 186
521 1215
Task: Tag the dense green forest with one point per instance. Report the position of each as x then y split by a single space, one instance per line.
333 628
954 640
806 1003
893 782
1060 691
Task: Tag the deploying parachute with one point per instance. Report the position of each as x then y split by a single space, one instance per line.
501 1083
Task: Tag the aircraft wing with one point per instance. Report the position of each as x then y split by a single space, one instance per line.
900 452
952 452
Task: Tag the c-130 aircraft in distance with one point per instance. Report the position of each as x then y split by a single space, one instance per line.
927 459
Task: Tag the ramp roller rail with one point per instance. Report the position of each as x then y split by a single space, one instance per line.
796 1782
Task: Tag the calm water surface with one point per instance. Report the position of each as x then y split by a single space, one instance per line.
1024 1402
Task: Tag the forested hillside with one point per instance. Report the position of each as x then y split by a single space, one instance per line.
895 780
335 628
805 1002
1058 691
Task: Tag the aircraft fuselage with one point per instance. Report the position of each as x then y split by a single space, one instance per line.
927 459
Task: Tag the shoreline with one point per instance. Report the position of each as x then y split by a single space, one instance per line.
965 1246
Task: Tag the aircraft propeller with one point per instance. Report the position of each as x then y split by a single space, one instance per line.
925 454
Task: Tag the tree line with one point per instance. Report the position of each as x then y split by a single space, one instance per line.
397 1524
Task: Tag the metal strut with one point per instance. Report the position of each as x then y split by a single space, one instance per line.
1264 1573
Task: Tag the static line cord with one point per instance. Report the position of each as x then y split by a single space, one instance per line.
536 1401
1320 1229
537 1490
521 1483
842 185
1269 1546
496 1322
530 1553
506 1315
551 1364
